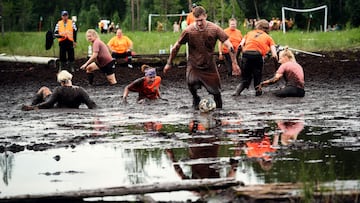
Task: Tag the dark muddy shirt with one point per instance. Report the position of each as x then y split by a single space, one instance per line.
201 66
202 44
68 97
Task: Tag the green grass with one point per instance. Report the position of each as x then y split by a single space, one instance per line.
33 43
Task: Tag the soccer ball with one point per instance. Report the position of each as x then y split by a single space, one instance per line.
206 105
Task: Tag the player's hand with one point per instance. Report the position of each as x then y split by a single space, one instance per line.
124 100
27 108
236 69
221 57
166 68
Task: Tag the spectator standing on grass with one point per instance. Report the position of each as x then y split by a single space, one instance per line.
255 45
148 86
235 38
201 37
65 96
121 46
183 25
190 18
100 59
65 31
293 74
176 27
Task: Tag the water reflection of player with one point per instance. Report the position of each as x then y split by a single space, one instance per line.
261 149
203 145
152 126
98 127
290 130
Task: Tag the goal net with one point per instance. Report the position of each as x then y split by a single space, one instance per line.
283 9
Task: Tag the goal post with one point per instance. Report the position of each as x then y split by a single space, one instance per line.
283 9
167 15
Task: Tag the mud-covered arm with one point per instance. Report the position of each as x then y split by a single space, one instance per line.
173 53
177 167
235 65
271 81
49 103
86 99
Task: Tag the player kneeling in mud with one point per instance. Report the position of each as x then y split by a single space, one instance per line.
148 86
65 96
293 74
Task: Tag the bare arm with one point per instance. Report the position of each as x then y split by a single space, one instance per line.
220 44
235 66
125 93
271 81
173 53
90 60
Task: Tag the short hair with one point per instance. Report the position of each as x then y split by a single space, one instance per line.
288 53
64 76
92 32
262 25
232 19
198 11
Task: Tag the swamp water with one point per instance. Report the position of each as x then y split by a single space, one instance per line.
255 140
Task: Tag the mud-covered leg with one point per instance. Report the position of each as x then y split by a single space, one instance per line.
196 98
218 100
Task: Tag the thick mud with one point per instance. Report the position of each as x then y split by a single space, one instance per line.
329 113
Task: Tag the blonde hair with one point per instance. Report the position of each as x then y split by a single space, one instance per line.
262 25
288 53
64 76
145 67
93 33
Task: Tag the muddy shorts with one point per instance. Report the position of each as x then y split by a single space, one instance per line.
209 78
109 68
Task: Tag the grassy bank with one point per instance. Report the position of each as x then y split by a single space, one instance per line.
33 43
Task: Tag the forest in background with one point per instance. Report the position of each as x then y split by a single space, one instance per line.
132 15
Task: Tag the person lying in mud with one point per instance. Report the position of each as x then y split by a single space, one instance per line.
293 74
65 96
201 37
148 86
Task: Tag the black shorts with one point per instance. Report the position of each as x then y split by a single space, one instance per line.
109 68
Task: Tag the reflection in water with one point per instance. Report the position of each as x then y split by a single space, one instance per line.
252 151
203 150
6 165
290 130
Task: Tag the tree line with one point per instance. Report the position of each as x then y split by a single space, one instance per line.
41 15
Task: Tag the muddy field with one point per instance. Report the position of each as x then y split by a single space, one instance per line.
329 111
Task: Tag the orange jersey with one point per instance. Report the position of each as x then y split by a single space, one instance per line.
260 149
190 18
120 45
66 30
258 40
235 38
146 90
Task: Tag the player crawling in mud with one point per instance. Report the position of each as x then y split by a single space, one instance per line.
293 74
201 37
65 96
148 86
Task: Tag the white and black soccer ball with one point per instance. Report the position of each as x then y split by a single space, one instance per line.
206 105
